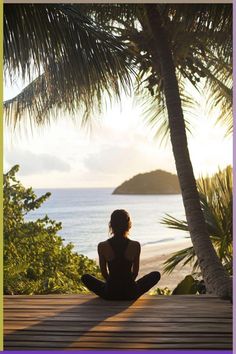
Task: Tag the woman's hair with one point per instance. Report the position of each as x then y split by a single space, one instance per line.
120 223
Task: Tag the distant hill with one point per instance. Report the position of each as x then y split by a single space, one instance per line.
155 182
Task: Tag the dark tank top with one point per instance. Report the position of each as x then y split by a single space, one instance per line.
120 285
119 267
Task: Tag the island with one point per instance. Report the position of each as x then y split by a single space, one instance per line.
154 182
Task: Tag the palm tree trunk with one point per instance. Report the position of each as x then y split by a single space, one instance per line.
215 277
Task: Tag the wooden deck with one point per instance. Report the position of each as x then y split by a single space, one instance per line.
85 322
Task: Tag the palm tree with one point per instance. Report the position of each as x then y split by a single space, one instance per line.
159 59
158 53
216 197
214 275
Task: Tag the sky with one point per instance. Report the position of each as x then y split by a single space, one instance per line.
119 146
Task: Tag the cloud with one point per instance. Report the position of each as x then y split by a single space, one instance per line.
125 160
32 163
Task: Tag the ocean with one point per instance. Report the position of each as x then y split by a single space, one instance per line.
85 214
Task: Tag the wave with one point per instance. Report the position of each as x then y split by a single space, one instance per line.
163 240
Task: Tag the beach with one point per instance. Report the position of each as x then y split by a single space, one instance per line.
153 256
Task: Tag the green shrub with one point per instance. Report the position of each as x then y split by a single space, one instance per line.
35 259
188 286
160 291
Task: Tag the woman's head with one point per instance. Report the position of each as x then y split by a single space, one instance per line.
120 223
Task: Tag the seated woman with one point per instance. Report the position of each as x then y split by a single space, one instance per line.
119 264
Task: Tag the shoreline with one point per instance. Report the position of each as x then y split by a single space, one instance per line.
152 259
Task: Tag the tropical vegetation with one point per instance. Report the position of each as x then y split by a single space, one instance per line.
165 40
216 196
102 46
189 285
36 261
68 60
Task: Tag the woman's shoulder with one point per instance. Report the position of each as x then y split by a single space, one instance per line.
103 244
134 244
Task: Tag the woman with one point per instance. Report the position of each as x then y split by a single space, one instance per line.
119 264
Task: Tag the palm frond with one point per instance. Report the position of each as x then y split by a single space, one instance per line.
87 49
178 257
173 223
152 101
199 17
216 202
217 199
218 88
194 34
76 60
108 13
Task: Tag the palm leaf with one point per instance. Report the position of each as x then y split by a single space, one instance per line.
187 254
76 61
216 202
87 49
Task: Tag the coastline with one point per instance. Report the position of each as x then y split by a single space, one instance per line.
152 259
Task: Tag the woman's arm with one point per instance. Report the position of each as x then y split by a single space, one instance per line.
136 260
102 263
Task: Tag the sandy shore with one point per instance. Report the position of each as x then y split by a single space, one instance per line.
153 256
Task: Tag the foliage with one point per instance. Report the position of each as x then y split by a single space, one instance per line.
81 51
186 286
216 201
35 259
189 285
69 60
160 291
200 38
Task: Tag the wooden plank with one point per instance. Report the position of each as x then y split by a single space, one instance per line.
92 296
107 317
115 318
169 305
118 345
33 331
129 339
105 312
171 301
86 298
126 326
178 309
107 304
118 309
121 319
97 302
101 311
